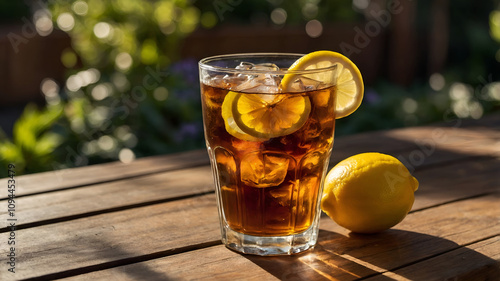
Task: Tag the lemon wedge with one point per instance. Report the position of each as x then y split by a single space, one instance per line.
349 82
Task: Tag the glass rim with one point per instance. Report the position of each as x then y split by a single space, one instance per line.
203 64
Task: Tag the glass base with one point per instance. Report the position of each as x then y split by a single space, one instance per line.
269 245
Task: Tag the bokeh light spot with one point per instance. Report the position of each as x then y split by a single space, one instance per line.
361 4
278 16
106 143
310 10
123 61
436 81
49 87
160 94
410 106
120 81
126 155
314 28
102 30
494 91
208 19
100 92
44 26
80 8
459 91
65 21
68 58
149 52
74 83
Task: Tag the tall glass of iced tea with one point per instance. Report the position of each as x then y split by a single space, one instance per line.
269 133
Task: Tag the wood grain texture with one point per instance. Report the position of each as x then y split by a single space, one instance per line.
74 177
341 255
157 229
107 197
478 261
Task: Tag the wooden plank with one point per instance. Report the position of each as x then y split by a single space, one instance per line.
67 178
124 194
456 181
478 261
454 134
339 255
150 231
113 196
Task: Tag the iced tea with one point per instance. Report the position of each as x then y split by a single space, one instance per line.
270 187
268 179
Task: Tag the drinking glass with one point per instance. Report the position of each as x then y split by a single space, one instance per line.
269 134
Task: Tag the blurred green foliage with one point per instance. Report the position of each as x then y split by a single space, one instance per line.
33 144
125 83
127 87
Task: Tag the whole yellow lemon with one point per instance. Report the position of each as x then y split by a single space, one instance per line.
368 192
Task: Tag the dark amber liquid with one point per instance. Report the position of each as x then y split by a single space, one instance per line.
271 187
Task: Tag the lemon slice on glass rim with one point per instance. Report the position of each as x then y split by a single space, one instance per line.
349 85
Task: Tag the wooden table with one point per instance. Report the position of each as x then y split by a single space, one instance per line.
156 218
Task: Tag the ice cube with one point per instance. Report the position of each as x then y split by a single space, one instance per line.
308 84
284 194
264 169
226 168
266 67
312 164
263 83
245 65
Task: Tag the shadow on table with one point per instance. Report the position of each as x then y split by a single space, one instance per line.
337 257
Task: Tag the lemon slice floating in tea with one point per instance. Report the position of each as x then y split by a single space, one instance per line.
265 116
349 85
231 126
